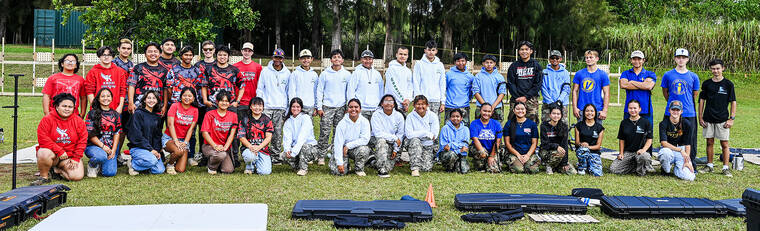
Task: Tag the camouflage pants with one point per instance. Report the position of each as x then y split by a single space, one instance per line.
530 166
434 107
552 158
308 153
327 124
498 114
454 162
359 154
532 109
545 113
465 115
277 116
383 154
367 114
420 156
632 162
481 163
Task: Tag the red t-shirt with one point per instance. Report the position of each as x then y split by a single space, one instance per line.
59 83
183 118
114 78
218 127
250 73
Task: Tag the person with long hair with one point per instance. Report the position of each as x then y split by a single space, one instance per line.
255 133
589 135
555 143
218 129
675 133
62 138
299 145
635 138
387 127
351 138
453 143
145 136
421 128
486 138
65 81
104 128
520 141
180 124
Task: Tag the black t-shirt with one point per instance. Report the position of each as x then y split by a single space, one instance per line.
168 63
203 65
110 125
717 96
217 79
553 136
145 77
589 134
675 134
634 134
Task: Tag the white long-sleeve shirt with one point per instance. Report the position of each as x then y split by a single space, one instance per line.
350 134
331 89
426 128
296 132
303 84
388 127
367 86
429 79
272 86
398 82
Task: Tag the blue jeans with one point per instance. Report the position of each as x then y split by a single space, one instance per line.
261 162
98 157
143 160
669 158
589 160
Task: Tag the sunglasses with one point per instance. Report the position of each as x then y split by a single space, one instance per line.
554 58
208 49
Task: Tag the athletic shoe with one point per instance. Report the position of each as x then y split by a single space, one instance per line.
582 172
549 170
92 172
248 171
383 174
727 172
301 172
415 172
705 169
131 170
570 170
361 173
39 181
310 162
192 162
170 169
212 172
53 174
321 161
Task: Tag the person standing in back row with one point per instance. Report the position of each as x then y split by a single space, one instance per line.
459 82
271 87
489 86
429 78
167 59
714 117
638 84
524 79
331 100
555 88
366 85
302 83
589 85
249 71
683 85
398 79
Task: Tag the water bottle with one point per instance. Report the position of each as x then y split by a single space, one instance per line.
739 162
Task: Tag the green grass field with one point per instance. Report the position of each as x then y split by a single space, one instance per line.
283 188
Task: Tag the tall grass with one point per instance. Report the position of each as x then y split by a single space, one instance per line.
736 43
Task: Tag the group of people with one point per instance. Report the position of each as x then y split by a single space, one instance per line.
266 114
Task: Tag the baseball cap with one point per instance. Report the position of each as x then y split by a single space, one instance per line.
491 57
678 106
682 52
278 53
247 46
555 53
305 53
367 53
637 54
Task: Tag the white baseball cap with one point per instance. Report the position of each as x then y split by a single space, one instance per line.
247 46
682 52
305 53
637 54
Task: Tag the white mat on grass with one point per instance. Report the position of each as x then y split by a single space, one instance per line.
25 156
158 217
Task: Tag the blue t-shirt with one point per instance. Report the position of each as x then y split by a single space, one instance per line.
681 87
524 134
644 97
590 87
486 134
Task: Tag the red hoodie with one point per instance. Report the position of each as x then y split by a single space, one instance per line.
58 135
114 78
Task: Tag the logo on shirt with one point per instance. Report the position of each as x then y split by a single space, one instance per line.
486 134
63 137
588 84
524 72
679 87
222 126
184 119
722 91
551 134
639 130
526 131
595 135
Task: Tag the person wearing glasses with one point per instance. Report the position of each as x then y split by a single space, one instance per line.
65 81
106 75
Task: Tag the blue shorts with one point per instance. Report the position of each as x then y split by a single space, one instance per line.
166 138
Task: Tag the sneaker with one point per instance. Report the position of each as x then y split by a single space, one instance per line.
582 172
361 173
55 174
131 170
92 172
383 174
192 162
415 172
570 170
727 172
321 161
170 169
549 170
248 171
212 172
310 162
301 172
705 169
39 181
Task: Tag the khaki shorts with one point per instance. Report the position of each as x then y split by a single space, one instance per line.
716 130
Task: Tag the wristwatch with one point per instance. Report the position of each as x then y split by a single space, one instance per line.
732 117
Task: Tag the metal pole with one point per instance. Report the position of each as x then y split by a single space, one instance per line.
15 127
34 63
52 57
2 62
293 55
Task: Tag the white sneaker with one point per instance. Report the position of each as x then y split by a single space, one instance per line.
92 172
301 172
132 171
582 172
415 172
192 162
247 171
170 169
212 172
361 174
549 170
321 161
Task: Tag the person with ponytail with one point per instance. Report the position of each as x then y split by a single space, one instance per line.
104 129
520 141
180 124
298 142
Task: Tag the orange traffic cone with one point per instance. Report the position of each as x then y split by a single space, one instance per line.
430 197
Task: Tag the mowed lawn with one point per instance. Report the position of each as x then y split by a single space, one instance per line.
283 188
